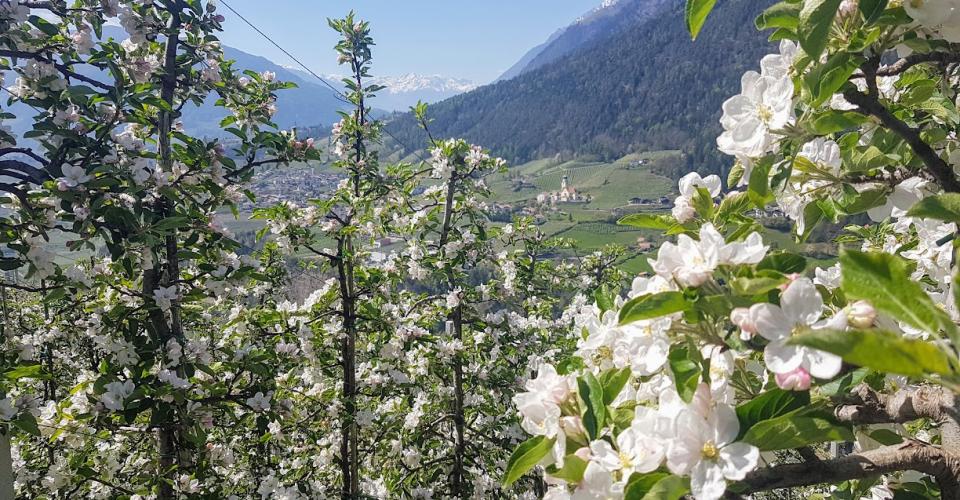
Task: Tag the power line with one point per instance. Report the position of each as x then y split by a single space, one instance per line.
339 95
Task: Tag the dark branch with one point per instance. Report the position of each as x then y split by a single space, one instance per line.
24 151
911 455
941 171
866 406
913 60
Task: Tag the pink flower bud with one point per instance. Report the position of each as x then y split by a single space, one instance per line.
796 380
740 316
861 314
583 454
790 279
847 8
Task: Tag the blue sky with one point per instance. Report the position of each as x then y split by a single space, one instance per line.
476 40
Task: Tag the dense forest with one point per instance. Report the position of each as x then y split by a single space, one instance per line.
645 87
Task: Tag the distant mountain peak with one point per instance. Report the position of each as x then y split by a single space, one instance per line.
415 82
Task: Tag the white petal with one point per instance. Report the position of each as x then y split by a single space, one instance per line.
738 459
771 322
822 364
706 481
782 358
727 426
801 302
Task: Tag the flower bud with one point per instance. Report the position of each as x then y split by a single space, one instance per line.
583 454
796 380
847 8
683 210
573 428
861 314
740 316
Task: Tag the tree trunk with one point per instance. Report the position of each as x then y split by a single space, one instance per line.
167 438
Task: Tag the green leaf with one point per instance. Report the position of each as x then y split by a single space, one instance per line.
884 280
648 221
758 185
845 383
784 262
880 350
686 372
886 437
754 286
27 423
835 121
816 18
824 80
872 9
945 207
771 404
669 488
594 413
170 223
613 381
640 484
525 457
605 298
791 431
866 200
572 470
25 371
696 14
779 15
653 306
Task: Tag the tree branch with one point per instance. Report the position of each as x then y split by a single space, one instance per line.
23 151
910 455
866 406
911 61
941 171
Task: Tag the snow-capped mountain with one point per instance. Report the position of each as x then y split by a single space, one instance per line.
403 91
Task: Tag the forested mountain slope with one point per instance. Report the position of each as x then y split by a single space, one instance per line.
645 87
609 18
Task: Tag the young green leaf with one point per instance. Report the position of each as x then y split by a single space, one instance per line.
884 280
945 207
770 404
526 456
648 221
880 350
572 470
696 14
791 431
613 381
686 371
595 411
652 306
816 18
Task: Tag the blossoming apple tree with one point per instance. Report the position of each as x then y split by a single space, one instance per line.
729 370
130 375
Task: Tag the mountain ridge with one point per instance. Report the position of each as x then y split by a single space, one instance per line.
614 97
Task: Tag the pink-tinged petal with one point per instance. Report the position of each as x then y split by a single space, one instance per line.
770 322
822 364
782 358
801 302
706 481
737 459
